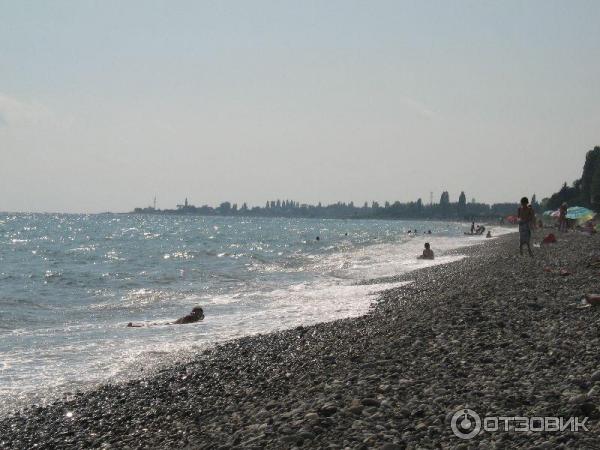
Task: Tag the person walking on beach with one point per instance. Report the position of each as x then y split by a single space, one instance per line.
526 216
562 218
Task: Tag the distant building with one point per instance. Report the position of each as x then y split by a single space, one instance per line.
185 205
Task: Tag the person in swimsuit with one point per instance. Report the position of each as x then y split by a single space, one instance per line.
526 217
562 218
196 315
427 252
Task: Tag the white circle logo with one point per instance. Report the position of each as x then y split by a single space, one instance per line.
465 424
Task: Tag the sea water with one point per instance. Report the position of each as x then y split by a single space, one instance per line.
69 284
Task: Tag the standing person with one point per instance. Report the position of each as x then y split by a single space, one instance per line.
473 227
562 218
526 217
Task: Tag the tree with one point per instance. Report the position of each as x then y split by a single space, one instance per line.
566 194
445 203
225 207
592 159
595 190
462 204
445 199
534 202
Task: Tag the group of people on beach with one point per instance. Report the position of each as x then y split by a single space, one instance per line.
564 224
478 231
527 223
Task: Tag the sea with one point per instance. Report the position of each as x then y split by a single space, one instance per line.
70 284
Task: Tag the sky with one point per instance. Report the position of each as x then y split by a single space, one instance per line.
106 104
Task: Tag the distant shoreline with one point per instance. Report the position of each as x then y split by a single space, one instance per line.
487 220
492 221
444 210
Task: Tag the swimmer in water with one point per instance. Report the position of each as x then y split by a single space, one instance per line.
427 252
196 315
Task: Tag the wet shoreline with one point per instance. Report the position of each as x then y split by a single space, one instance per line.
496 332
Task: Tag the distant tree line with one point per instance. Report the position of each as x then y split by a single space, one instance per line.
583 192
445 209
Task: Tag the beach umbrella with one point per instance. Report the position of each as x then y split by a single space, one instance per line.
580 214
549 217
512 219
551 213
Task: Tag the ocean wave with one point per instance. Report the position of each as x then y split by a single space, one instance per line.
94 274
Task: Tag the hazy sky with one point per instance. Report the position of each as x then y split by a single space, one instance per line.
104 104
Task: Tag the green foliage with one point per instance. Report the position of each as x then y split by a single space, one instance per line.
586 190
445 199
461 207
569 195
592 160
341 210
595 189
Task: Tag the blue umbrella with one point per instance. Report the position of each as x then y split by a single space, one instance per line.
579 213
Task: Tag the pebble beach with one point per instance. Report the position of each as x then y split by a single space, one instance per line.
500 334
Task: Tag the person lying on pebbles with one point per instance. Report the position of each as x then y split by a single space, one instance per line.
593 299
196 315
